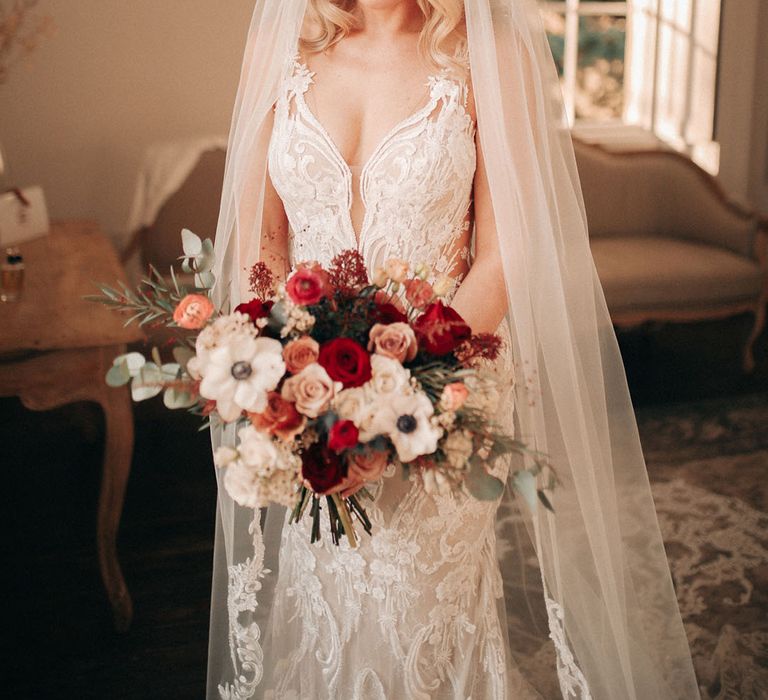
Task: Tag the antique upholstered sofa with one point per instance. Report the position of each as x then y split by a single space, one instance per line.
668 244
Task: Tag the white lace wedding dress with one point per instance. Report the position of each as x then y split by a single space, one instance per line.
414 612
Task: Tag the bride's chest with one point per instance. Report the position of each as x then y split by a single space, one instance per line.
419 173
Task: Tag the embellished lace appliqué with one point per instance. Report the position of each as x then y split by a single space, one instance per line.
244 633
416 185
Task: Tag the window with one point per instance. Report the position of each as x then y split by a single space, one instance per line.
588 41
647 66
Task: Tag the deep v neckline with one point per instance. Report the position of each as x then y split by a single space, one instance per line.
345 167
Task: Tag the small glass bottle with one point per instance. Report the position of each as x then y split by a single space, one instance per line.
11 275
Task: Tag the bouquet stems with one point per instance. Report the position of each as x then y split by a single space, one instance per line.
339 513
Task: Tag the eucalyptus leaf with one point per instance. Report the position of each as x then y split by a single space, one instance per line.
173 399
191 243
182 355
134 360
118 375
205 260
147 383
170 371
482 485
204 280
525 484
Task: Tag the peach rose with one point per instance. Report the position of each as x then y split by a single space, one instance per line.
280 418
380 277
299 353
395 340
396 269
193 311
368 466
418 293
454 395
311 390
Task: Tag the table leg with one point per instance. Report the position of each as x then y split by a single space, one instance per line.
118 451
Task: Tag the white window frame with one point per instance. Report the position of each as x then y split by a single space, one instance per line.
573 10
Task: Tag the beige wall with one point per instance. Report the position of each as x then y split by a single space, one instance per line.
119 75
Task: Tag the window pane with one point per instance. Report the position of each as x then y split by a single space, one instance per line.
600 78
554 23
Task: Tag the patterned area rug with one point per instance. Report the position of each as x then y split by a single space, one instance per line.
708 464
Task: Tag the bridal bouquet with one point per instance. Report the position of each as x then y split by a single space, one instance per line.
330 378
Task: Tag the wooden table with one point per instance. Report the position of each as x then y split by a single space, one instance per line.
55 349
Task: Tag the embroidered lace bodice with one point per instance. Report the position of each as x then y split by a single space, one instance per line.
415 187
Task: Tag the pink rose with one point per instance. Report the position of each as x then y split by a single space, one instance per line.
418 293
454 395
299 353
395 340
311 390
368 466
193 311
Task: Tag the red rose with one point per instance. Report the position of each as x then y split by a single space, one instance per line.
345 361
255 308
322 468
342 435
440 329
308 285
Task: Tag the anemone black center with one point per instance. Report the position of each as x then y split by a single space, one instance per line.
242 370
406 424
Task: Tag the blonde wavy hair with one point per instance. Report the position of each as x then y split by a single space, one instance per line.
442 41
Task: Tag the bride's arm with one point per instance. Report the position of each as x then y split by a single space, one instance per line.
274 241
481 298
274 233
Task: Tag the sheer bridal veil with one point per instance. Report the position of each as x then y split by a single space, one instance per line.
606 597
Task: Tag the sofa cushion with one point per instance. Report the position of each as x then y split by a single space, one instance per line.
654 272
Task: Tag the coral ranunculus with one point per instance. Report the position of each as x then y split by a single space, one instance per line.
440 329
193 311
342 435
308 285
322 468
419 293
255 308
280 418
346 361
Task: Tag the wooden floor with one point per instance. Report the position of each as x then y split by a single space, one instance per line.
57 638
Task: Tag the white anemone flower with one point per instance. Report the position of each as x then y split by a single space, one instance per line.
407 422
239 372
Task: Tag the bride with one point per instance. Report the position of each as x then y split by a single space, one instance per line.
431 131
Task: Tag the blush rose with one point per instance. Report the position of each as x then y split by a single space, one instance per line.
311 390
395 340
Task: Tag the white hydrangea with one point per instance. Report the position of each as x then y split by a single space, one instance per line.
261 471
